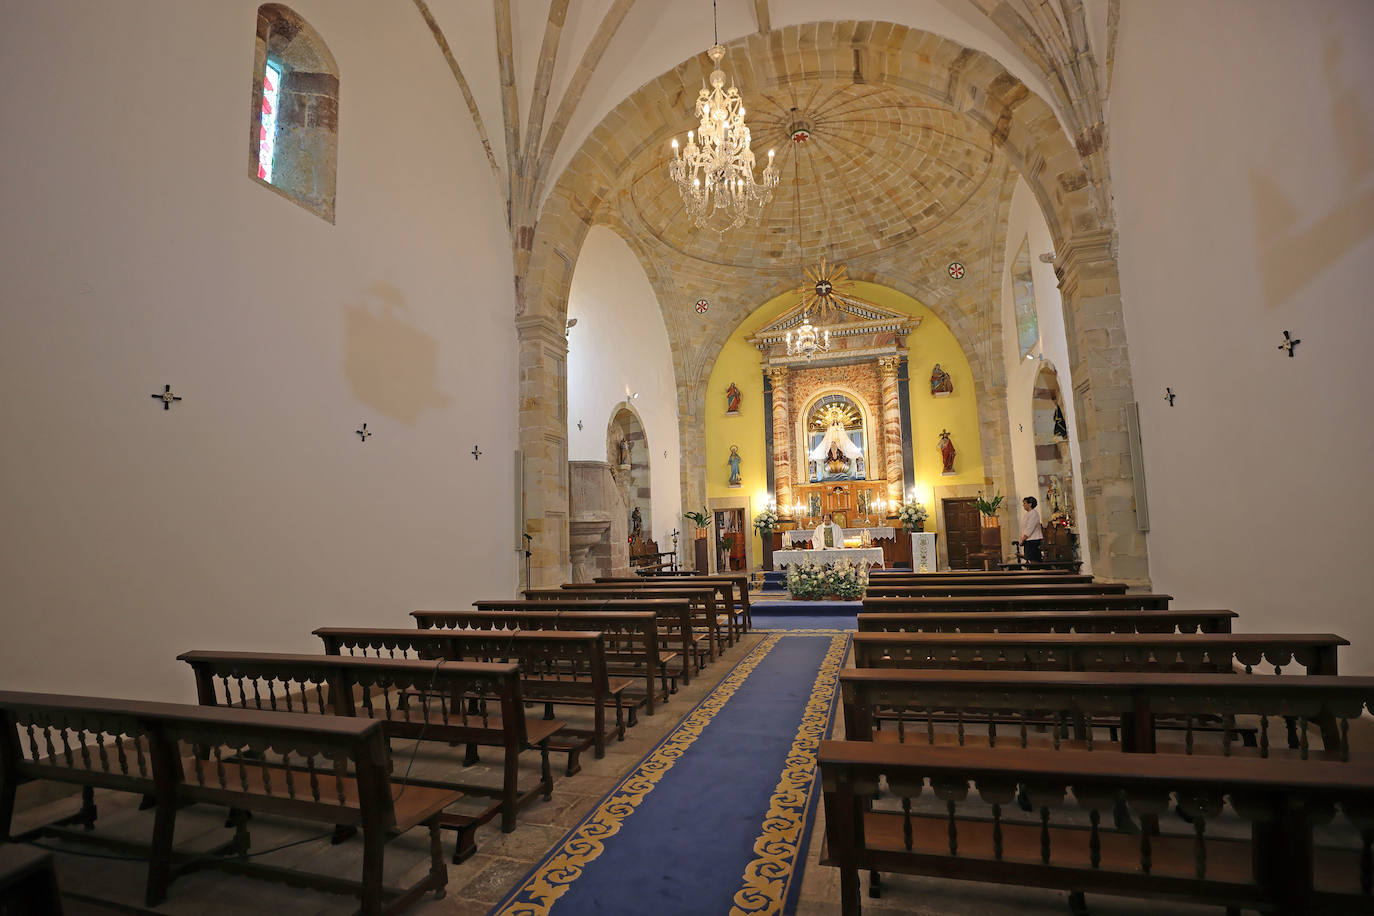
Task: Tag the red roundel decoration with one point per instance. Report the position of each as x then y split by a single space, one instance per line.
956 270
702 306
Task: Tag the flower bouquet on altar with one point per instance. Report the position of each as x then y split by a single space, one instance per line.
765 522
913 516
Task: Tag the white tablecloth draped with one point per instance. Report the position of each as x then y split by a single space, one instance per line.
869 555
804 535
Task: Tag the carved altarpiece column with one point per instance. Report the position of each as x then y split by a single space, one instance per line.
779 376
888 367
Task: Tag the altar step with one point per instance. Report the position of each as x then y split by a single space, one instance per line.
773 581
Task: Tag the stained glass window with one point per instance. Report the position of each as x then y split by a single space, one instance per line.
271 92
1023 293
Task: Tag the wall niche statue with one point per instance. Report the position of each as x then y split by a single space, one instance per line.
623 453
941 385
734 462
947 453
732 400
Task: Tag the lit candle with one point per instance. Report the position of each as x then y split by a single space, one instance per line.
676 154
770 155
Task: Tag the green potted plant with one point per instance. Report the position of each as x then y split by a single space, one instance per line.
991 535
699 550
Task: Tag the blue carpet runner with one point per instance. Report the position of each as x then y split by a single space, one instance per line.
714 820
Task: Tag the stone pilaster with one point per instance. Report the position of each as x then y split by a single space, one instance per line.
779 376
1100 368
544 444
892 426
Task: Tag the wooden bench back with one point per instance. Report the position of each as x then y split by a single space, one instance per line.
1049 622
574 660
734 587
881 599
1279 801
1210 652
246 758
978 576
905 589
980 701
371 688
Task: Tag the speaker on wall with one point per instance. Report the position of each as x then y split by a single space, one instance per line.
1142 508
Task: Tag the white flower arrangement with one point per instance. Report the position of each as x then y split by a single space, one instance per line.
765 522
912 514
810 581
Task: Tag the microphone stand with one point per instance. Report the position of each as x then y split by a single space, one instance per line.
529 539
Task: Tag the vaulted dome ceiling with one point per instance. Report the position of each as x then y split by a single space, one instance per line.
872 167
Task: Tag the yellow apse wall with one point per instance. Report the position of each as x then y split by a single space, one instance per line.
931 343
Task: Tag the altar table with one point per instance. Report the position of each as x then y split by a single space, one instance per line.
804 535
872 556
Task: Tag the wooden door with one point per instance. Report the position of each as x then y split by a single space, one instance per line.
961 530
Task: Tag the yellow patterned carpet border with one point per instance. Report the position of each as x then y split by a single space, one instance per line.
778 849
552 878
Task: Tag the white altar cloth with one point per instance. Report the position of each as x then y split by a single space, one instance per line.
804 535
869 555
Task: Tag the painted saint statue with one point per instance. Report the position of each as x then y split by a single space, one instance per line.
732 399
940 382
946 452
734 461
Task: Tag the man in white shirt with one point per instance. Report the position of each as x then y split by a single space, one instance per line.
828 534
1032 535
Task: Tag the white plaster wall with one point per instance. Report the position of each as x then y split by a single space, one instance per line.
1244 177
1025 220
620 345
138 252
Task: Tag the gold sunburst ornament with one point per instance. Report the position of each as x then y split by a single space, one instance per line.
824 284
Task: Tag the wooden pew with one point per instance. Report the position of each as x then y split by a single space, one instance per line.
903 588
905 577
703 627
976 575
329 770
1281 865
1050 622
375 688
729 624
1162 652
633 649
882 600
1135 704
567 667
28 882
739 606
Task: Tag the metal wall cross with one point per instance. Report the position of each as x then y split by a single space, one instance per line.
166 397
476 453
363 433
1289 343
1169 396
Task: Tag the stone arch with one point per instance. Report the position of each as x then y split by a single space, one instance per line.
872 428
306 139
632 476
1053 463
1022 127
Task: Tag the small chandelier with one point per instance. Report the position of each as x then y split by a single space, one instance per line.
715 172
809 341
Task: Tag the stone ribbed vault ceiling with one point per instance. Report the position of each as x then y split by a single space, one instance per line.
879 168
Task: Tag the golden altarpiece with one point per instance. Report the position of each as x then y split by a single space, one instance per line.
837 421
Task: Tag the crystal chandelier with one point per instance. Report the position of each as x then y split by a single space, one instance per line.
809 341
715 172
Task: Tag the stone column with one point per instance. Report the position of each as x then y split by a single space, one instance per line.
544 445
782 435
892 427
1101 372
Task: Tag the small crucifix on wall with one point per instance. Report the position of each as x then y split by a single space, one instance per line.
166 397
476 453
1289 343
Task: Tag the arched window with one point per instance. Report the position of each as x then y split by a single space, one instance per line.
295 124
